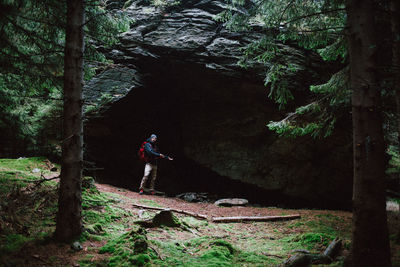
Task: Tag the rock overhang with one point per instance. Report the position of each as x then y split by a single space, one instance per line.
210 114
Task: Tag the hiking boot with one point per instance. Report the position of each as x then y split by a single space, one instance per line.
141 192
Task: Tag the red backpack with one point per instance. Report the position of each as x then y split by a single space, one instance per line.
142 154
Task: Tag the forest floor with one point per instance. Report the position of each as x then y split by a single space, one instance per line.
113 237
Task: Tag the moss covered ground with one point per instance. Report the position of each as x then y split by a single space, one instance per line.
112 237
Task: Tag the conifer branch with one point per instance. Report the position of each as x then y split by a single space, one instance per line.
284 11
315 14
29 34
40 21
93 17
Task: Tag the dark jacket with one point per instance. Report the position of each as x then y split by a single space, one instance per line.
152 151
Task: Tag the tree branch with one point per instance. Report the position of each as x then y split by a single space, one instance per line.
284 11
31 33
314 14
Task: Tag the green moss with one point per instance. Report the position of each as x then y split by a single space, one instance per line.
328 216
223 243
196 242
311 240
149 202
193 222
12 242
22 164
91 198
217 256
88 183
140 260
94 229
295 225
166 218
126 247
254 259
397 200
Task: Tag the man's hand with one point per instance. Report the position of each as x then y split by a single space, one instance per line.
162 156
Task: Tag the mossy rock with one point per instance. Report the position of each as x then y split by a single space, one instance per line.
94 229
87 182
139 238
223 243
135 239
140 244
220 254
166 218
138 231
140 260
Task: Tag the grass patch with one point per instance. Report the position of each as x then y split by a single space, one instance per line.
217 255
254 259
12 242
23 164
128 249
310 241
394 199
27 213
193 222
26 168
150 203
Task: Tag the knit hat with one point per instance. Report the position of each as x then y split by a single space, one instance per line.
153 136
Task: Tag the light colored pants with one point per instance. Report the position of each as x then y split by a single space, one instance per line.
149 169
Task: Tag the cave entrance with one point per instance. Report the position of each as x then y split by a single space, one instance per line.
196 113
213 125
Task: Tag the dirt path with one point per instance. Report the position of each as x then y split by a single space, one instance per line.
209 209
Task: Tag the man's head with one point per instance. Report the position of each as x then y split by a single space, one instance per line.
153 138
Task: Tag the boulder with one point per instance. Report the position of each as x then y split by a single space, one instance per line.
76 246
193 197
166 218
229 202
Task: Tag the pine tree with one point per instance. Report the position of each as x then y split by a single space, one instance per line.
370 242
32 38
69 219
370 246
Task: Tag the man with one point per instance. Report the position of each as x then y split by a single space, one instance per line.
152 155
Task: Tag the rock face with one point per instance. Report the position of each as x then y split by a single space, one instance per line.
176 76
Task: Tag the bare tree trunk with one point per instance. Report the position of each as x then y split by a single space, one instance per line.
395 20
395 17
69 219
370 243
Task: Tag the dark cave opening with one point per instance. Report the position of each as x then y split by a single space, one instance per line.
194 111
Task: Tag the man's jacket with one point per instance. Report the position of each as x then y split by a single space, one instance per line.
151 151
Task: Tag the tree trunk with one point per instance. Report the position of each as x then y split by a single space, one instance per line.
395 19
370 243
69 219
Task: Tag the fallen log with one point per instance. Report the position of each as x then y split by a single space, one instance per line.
254 218
304 258
333 249
225 219
199 216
